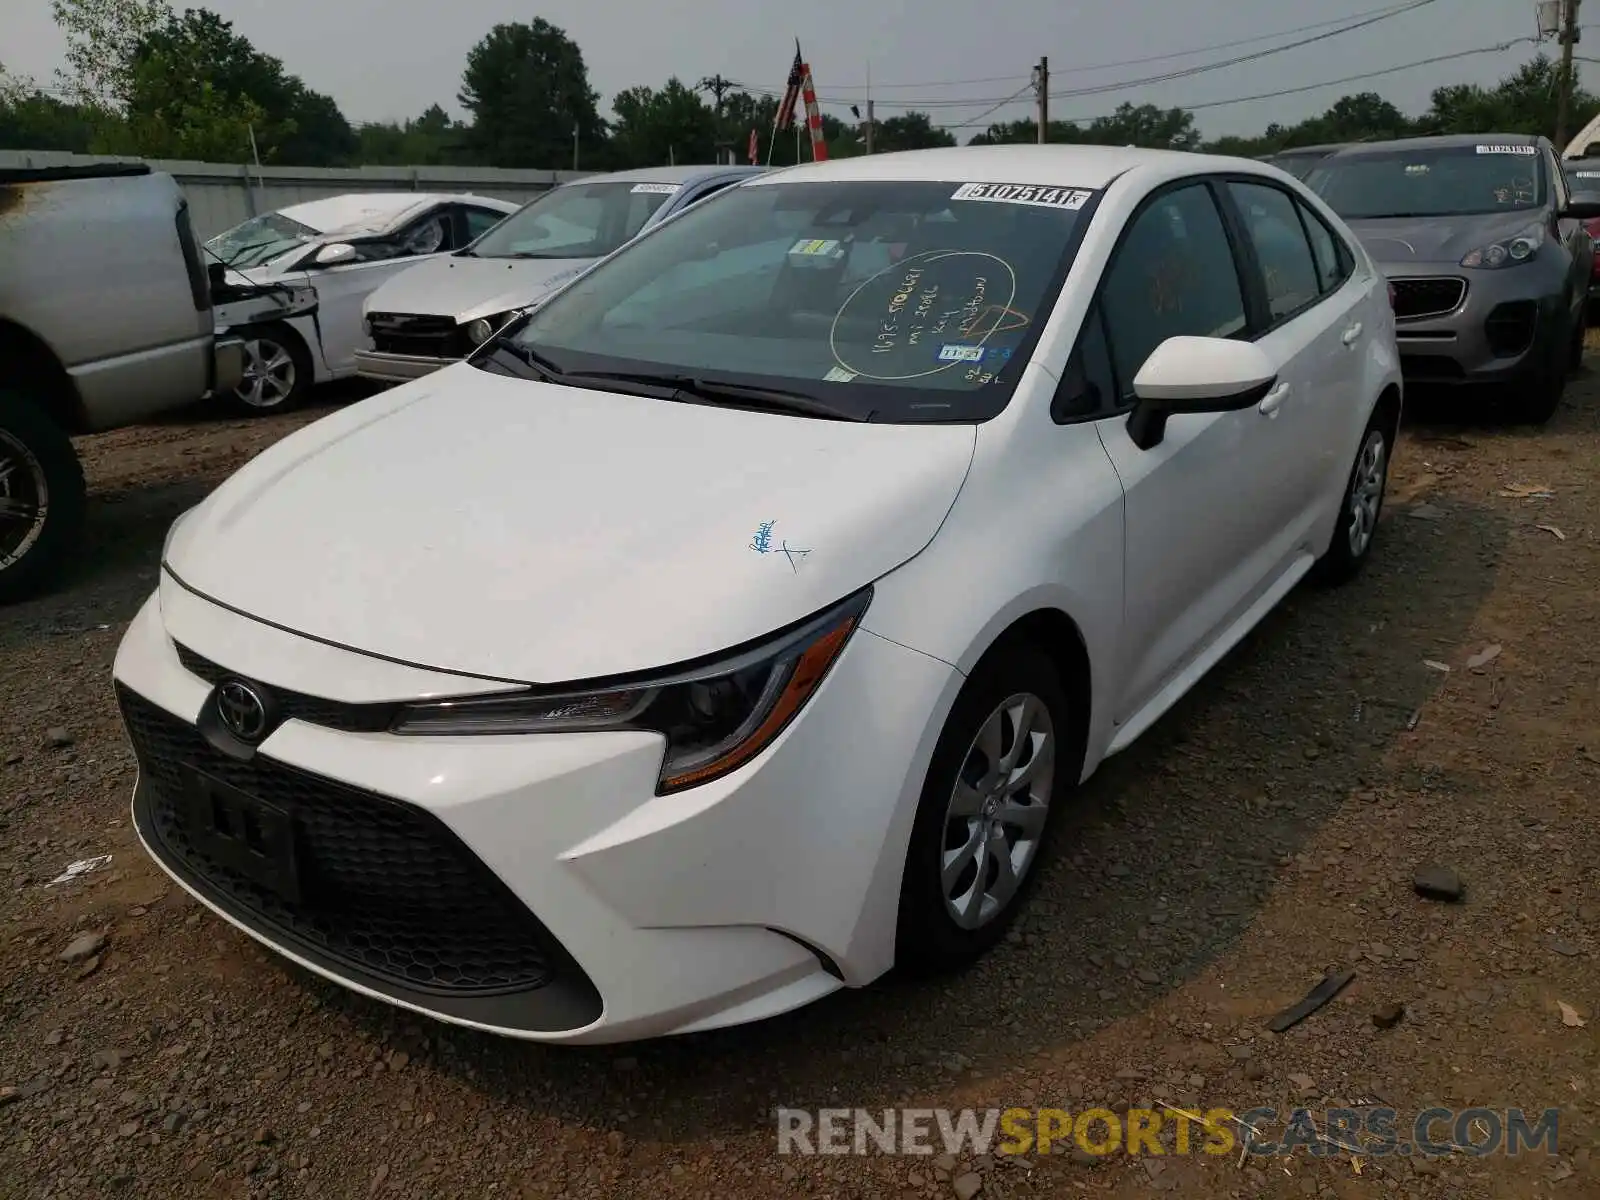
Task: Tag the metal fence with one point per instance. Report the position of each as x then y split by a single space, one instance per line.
221 195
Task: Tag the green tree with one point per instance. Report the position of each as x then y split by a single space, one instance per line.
1522 102
102 37
655 126
528 91
908 131
431 140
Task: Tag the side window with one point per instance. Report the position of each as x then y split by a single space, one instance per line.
427 236
1274 229
1174 274
480 221
1334 263
1089 386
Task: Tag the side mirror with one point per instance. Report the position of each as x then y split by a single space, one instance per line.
1196 375
335 253
1581 210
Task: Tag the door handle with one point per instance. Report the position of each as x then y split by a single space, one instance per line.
1273 400
1351 334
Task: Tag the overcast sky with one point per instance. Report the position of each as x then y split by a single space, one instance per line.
388 59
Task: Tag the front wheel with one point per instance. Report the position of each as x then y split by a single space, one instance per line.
277 371
41 497
1362 506
981 821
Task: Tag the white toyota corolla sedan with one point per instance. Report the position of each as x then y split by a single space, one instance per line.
728 630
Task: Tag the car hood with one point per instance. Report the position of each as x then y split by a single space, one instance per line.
1402 240
526 531
468 288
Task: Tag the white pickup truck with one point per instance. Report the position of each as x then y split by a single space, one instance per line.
105 320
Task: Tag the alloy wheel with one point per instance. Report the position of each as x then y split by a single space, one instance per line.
24 500
269 374
997 810
1366 492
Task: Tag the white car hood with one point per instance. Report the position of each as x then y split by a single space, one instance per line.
469 288
519 530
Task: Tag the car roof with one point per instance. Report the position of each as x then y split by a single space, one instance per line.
1074 166
1448 141
1301 151
688 173
378 212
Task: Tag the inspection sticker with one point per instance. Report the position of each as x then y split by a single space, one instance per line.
1024 193
657 189
1525 151
1587 174
960 353
839 375
816 246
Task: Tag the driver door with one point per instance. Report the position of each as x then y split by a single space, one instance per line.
342 289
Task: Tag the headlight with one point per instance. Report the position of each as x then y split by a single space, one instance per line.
715 718
1508 253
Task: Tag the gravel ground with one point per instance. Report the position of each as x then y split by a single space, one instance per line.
1264 832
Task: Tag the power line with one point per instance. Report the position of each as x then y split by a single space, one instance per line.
1344 25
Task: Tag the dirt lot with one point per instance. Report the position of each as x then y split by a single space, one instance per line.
1266 831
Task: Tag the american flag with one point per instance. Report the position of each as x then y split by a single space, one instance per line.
791 97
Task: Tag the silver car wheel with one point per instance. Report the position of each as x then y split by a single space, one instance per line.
24 500
269 374
1366 492
997 810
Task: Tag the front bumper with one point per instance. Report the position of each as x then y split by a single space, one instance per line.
584 908
1457 326
398 368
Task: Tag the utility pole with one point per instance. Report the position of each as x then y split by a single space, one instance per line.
1569 38
718 87
1041 85
574 145
870 119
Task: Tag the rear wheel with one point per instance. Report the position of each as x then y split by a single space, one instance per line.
277 370
1579 332
41 496
1363 505
985 804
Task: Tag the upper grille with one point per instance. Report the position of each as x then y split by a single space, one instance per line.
386 888
1428 297
426 337
297 706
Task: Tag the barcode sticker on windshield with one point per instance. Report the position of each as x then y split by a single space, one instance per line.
1023 193
1528 151
657 189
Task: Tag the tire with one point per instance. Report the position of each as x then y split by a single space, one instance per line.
1360 507
41 497
981 724
278 371
1536 399
1580 330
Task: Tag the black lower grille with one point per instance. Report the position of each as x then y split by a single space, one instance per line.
297 706
1417 298
425 337
385 887
1511 326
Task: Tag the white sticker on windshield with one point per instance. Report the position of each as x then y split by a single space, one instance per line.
839 375
1024 193
657 189
1527 151
1587 174
960 353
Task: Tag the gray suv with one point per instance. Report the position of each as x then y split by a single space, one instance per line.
1486 253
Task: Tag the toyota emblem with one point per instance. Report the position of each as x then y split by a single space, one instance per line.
242 709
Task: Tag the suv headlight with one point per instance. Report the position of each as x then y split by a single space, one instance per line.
715 717
484 328
1508 253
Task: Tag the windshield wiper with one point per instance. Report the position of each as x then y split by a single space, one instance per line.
529 357
766 399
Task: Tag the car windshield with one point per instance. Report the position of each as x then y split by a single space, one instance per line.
885 300
581 220
260 240
1431 181
1296 164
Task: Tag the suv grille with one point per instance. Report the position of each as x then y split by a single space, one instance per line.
425 337
386 888
1417 298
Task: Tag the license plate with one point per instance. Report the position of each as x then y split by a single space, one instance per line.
244 833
